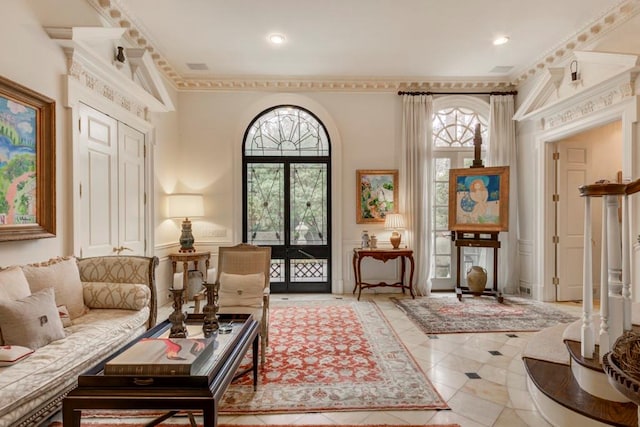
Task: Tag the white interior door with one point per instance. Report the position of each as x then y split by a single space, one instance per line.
131 230
112 184
572 172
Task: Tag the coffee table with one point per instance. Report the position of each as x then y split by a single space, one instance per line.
200 391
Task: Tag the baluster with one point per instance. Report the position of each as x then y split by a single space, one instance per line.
588 345
604 342
626 265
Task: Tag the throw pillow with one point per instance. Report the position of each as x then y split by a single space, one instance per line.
13 284
241 289
63 312
62 274
125 296
32 321
10 354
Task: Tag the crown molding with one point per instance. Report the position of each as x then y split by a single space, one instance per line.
116 14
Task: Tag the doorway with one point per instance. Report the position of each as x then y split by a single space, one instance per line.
287 197
580 159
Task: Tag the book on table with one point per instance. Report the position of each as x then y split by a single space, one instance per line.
162 356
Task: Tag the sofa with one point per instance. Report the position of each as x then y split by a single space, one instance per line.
59 318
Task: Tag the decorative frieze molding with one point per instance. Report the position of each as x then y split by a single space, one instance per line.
611 92
116 13
138 89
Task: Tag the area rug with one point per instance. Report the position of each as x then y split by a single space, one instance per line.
173 424
332 355
447 315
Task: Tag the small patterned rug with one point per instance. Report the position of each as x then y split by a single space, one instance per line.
447 315
332 355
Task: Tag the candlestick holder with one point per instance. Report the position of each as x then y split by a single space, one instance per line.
210 310
177 318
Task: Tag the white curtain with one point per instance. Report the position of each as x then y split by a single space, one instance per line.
502 152
415 177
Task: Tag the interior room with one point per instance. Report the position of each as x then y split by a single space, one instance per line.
389 154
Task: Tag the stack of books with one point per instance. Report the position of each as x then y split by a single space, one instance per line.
162 357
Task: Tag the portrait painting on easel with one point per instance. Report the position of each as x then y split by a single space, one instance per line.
479 199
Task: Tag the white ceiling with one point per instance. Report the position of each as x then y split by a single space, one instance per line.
408 40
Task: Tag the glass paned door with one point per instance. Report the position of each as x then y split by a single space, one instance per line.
288 209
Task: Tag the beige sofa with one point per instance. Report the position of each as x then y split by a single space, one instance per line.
101 303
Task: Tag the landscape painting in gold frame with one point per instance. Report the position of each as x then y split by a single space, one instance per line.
376 195
27 166
479 199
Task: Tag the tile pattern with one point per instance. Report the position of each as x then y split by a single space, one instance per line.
497 396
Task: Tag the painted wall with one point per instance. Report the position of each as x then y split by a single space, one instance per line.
365 132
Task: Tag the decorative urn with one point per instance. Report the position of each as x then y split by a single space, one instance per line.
476 279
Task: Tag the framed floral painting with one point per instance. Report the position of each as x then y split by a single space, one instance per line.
27 163
479 199
376 195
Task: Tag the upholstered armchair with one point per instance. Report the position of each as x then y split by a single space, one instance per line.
243 278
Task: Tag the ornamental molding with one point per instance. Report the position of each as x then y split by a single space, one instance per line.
136 87
614 91
117 14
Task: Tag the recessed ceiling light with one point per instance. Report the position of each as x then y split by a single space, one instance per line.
276 38
500 40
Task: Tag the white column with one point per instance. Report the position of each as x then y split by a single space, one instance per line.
605 344
588 344
613 243
626 265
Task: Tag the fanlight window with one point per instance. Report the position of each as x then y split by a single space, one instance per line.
455 127
286 131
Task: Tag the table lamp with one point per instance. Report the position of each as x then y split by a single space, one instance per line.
394 222
185 206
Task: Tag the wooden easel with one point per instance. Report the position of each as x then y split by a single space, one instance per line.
476 239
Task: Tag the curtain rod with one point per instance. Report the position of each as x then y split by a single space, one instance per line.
513 92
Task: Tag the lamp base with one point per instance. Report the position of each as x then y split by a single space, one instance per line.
395 239
186 238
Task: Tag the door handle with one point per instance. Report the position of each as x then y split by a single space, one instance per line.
307 254
121 249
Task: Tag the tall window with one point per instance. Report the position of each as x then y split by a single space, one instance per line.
453 133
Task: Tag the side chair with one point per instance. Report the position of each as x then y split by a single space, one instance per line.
243 278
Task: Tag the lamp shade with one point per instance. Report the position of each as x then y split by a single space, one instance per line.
185 205
394 221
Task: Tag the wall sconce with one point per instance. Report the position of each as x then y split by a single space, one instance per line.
574 70
120 55
394 222
185 206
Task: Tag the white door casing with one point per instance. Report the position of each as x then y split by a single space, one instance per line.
112 186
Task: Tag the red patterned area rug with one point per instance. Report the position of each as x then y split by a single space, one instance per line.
332 355
447 315
173 424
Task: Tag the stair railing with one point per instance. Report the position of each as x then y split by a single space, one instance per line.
611 259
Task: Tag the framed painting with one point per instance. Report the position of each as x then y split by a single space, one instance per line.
376 195
27 163
479 199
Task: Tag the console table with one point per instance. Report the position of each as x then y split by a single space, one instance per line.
383 255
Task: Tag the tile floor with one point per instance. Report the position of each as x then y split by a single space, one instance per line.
480 375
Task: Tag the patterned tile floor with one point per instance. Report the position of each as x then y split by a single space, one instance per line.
480 375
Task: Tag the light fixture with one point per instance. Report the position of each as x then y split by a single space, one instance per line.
394 222
120 55
500 40
185 206
277 38
574 70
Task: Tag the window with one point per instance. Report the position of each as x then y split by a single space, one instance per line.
454 123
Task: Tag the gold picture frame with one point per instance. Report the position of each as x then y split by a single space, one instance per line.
479 199
376 195
27 137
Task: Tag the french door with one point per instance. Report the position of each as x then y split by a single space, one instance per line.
286 189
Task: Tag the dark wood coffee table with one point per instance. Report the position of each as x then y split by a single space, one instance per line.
199 392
